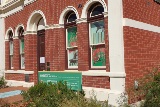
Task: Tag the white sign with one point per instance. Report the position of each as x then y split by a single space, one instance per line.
42 59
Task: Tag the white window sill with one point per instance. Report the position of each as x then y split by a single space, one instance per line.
95 73
18 72
91 72
101 73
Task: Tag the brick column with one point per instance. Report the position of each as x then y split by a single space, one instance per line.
53 49
30 49
83 46
16 54
106 42
62 50
7 66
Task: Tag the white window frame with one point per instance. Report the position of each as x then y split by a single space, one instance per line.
91 45
69 48
22 55
11 53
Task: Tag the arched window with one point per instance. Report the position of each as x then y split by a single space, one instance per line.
21 41
10 36
71 40
95 19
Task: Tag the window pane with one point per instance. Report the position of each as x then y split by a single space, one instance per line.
98 10
97 32
22 46
73 57
11 61
11 47
98 56
72 18
72 36
22 61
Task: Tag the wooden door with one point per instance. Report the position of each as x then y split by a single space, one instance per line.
41 50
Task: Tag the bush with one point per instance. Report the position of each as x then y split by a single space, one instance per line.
48 95
152 97
148 90
57 95
2 82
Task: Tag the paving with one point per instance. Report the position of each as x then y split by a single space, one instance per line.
14 98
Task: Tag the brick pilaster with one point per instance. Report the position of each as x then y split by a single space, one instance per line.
83 46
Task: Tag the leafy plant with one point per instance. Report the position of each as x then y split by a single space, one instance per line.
48 95
148 89
2 82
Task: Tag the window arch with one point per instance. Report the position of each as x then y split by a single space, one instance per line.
10 38
21 42
95 18
71 40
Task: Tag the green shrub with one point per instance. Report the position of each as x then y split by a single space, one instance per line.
152 97
48 95
2 82
148 89
57 95
83 102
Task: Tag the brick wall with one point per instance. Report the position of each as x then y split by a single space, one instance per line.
142 50
55 49
142 10
16 54
18 77
99 82
7 55
141 47
83 49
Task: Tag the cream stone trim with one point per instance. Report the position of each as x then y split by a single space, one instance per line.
13 11
9 4
33 20
81 20
101 94
89 3
6 35
16 37
54 26
117 74
140 25
105 14
65 11
13 83
30 33
18 72
95 73
17 28
27 2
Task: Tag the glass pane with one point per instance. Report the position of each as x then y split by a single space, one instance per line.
11 60
97 32
98 56
72 36
72 18
22 61
98 10
11 47
73 57
22 46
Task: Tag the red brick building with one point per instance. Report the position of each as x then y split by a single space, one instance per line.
112 42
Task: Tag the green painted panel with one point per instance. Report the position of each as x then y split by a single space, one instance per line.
73 79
